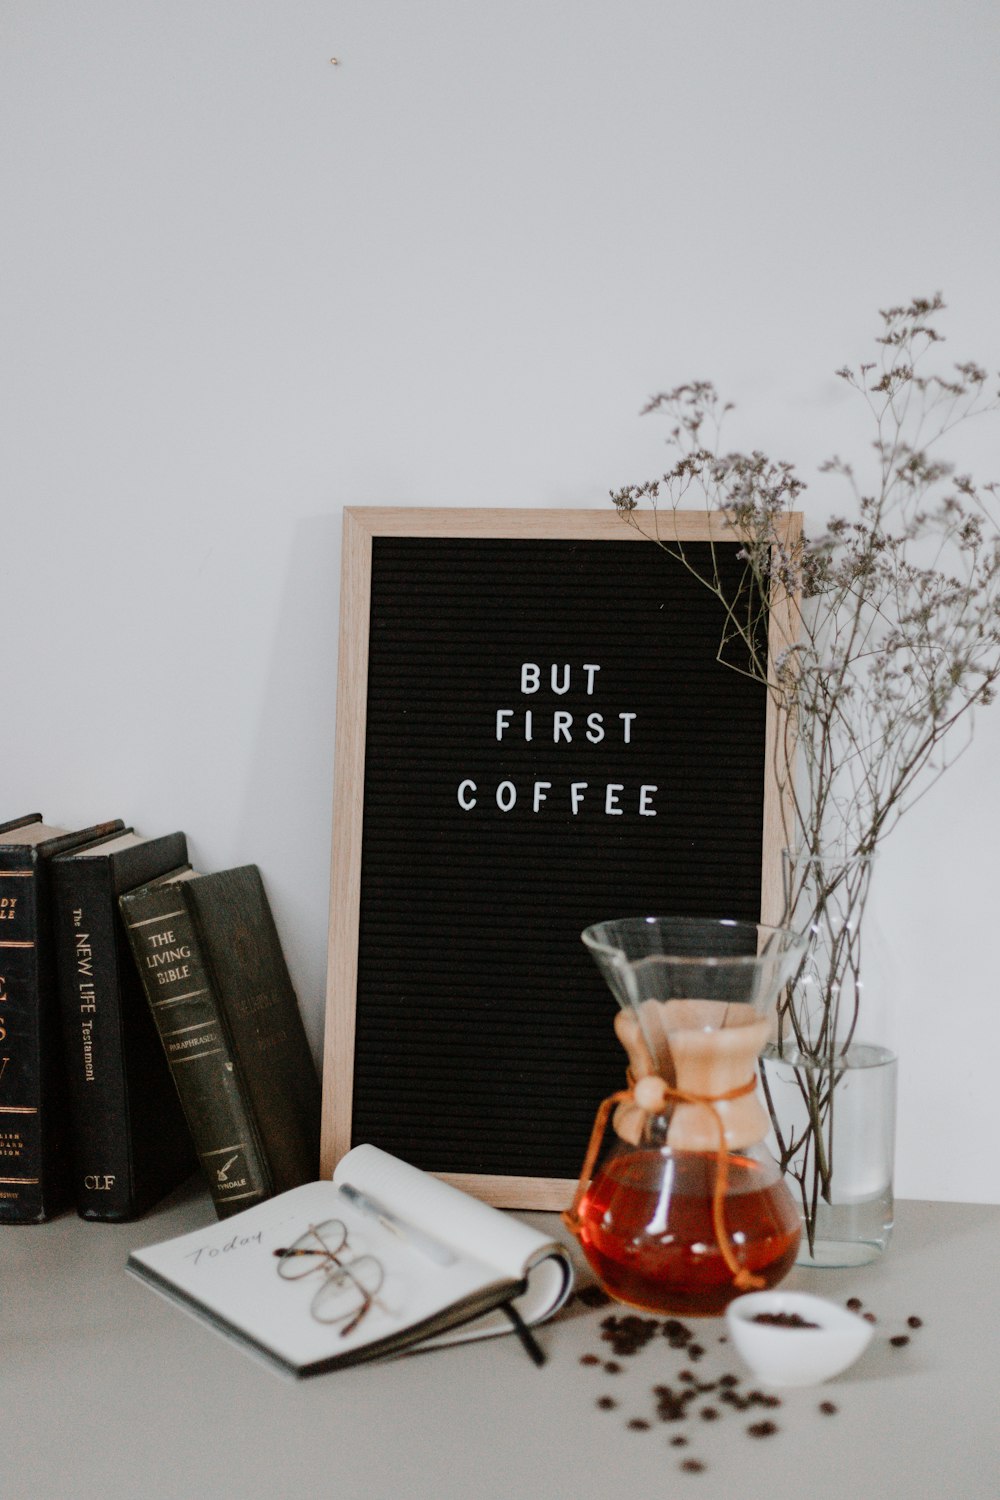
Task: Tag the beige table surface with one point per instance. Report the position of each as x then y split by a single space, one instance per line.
108 1391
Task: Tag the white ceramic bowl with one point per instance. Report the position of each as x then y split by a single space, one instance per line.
796 1356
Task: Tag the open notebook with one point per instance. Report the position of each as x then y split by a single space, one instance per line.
381 1259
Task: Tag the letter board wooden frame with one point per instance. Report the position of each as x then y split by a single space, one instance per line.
476 832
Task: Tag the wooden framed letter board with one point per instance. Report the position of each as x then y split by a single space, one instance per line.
534 733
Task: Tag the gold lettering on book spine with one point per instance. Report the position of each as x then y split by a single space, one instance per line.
16 915
4 997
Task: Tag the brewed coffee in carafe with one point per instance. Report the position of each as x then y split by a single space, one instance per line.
684 1208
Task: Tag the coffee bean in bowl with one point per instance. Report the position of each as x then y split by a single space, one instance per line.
802 1340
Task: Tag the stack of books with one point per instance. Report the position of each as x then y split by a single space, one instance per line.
147 1024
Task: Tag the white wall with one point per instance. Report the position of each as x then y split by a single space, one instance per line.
242 287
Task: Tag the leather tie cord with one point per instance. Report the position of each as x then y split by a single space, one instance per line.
745 1280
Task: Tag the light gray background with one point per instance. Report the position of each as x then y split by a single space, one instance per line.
241 287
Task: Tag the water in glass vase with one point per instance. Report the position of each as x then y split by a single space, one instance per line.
646 1227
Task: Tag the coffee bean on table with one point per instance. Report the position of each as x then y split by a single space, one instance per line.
900 1340
762 1429
670 1407
915 1322
593 1296
827 1408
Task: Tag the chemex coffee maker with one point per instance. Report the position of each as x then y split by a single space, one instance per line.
680 1207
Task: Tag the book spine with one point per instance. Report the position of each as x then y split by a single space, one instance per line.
31 1178
90 1003
247 968
198 1048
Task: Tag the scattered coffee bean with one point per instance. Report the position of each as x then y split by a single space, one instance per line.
914 1322
693 1466
783 1320
723 1339
677 1334
593 1296
670 1404
900 1340
627 1335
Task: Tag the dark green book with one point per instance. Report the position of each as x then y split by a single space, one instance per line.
220 993
34 1145
130 1143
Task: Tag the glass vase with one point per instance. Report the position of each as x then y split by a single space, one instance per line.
830 1089
834 1133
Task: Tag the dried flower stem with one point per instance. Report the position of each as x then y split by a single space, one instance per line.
893 642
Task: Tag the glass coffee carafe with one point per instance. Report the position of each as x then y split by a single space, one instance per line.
684 1208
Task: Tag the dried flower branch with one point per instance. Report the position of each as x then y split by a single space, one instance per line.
893 641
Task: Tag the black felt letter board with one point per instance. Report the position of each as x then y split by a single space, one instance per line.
551 741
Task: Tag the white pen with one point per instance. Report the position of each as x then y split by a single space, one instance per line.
432 1248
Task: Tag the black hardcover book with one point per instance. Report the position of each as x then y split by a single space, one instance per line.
220 992
130 1143
34 1150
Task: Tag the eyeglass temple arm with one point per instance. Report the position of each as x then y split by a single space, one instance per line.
529 1343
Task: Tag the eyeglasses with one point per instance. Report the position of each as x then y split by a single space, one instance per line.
347 1288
